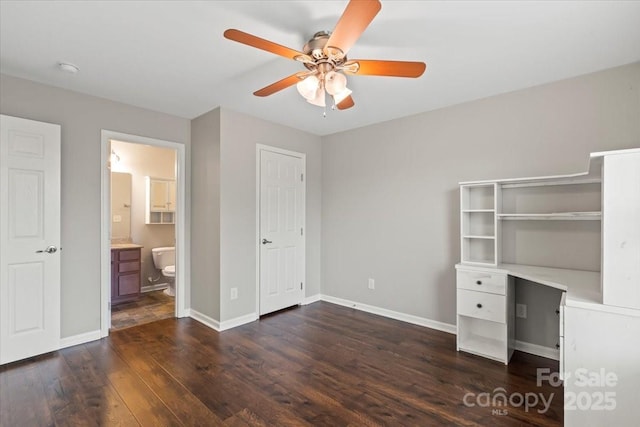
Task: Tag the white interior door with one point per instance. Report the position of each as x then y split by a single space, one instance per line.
29 238
282 245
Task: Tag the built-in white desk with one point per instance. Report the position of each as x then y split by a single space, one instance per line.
587 221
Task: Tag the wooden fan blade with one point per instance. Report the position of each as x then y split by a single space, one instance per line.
372 67
354 20
250 40
346 103
278 86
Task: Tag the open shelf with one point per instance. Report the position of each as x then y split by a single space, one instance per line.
478 198
478 225
479 250
482 337
562 216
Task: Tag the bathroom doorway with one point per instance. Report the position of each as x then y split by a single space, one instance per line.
143 231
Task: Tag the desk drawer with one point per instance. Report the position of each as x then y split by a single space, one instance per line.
482 305
482 281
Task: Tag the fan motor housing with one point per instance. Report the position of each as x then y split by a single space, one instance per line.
315 48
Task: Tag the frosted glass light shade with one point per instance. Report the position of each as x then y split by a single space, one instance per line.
339 97
335 82
319 99
308 87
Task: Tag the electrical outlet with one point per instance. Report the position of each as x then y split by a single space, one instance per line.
372 284
234 293
521 311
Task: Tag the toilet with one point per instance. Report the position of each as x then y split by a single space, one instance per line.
164 259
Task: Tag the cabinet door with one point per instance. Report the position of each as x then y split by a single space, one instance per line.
621 230
129 284
158 195
171 196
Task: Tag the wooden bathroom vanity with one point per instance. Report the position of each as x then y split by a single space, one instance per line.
126 278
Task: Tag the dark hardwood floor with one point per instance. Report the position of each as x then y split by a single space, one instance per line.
320 364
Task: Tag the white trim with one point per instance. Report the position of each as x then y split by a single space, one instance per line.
311 299
156 287
80 339
538 350
303 156
409 318
182 240
204 319
238 321
222 326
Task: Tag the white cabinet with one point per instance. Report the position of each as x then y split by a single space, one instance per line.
160 201
486 312
621 231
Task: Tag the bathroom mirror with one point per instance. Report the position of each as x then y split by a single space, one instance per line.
120 206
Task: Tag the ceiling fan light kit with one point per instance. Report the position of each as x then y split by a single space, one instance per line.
325 57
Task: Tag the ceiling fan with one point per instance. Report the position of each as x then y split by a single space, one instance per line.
325 57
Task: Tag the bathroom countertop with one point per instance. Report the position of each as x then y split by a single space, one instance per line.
125 246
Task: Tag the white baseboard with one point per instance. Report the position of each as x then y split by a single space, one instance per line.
204 319
409 318
311 299
238 321
538 350
221 326
151 288
80 338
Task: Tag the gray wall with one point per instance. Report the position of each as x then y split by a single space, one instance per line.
390 191
82 118
382 199
239 135
205 214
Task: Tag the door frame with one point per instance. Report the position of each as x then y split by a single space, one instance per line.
182 281
303 157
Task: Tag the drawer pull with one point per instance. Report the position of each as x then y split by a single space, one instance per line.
479 305
478 282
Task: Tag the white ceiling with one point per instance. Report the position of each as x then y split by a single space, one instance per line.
170 56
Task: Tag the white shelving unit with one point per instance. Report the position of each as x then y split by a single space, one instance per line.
513 209
479 238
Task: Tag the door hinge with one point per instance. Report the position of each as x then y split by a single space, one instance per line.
302 177
300 285
301 232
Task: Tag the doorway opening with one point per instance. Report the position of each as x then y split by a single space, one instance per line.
143 225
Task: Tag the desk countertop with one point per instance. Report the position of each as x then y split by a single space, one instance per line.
581 286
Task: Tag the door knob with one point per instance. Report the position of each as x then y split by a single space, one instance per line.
50 250
265 241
